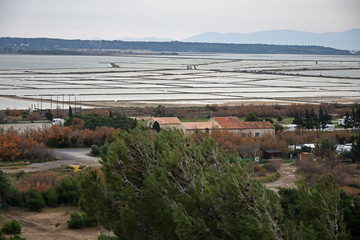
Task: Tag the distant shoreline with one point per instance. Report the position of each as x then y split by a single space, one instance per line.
84 47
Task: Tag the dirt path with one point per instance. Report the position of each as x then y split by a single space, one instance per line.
42 225
68 157
287 178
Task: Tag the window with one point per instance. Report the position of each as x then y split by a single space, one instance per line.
257 134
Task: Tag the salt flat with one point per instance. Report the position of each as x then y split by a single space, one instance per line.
152 80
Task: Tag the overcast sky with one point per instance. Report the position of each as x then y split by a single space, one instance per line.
176 19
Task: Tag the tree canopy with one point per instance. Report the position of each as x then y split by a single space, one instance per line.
162 186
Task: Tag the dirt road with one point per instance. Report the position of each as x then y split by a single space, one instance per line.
68 157
49 224
287 178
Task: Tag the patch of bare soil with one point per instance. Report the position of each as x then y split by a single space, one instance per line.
287 179
43 225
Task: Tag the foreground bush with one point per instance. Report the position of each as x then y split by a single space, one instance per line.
80 221
16 237
103 236
34 200
76 221
12 227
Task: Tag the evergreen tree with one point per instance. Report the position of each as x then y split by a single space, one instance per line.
324 118
52 197
70 112
356 117
314 120
348 121
308 120
353 120
49 116
34 200
4 187
251 117
159 111
355 149
156 126
298 120
160 186
320 210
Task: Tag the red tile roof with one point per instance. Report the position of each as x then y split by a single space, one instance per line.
200 125
235 123
166 120
228 122
257 125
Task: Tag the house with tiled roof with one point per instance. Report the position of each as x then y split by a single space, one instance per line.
165 122
257 129
194 127
245 129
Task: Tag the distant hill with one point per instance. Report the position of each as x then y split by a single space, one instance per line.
61 46
147 39
349 40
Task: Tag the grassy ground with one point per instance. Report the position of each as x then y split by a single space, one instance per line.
271 177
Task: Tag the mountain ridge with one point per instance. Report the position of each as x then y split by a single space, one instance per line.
347 40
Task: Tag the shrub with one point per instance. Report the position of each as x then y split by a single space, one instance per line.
69 192
95 150
89 221
12 227
103 236
76 221
272 166
16 237
278 127
52 197
80 221
34 200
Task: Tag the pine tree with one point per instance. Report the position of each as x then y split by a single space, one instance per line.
320 209
49 116
314 120
161 186
322 120
156 126
70 112
298 120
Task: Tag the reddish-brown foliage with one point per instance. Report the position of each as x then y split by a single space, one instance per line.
9 146
40 181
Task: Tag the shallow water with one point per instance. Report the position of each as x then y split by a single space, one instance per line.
218 79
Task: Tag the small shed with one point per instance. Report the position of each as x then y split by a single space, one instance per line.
272 154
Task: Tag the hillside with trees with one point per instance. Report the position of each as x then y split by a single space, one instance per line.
62 46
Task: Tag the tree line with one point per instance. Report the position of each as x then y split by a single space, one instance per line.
47 44
311 120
